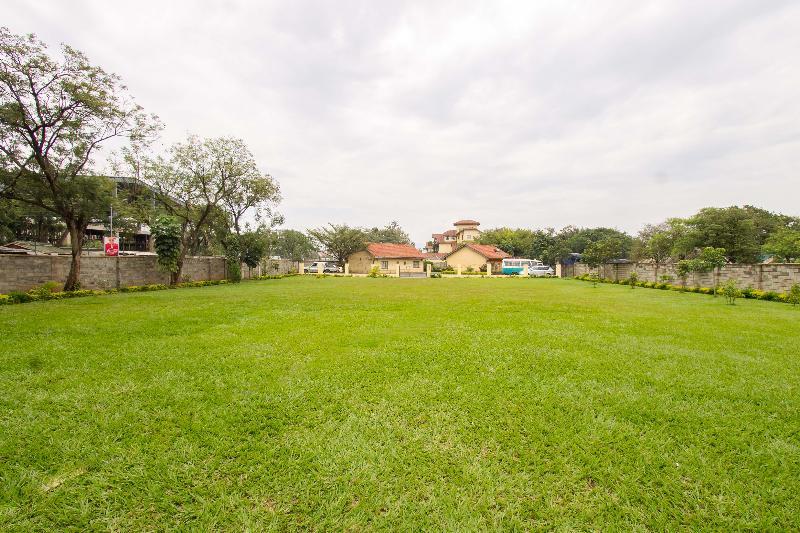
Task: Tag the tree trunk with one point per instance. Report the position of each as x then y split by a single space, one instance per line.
74 276
175 277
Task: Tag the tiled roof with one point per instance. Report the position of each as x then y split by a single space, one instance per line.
438 237
386 250
450 233
467 222
434 256
486 250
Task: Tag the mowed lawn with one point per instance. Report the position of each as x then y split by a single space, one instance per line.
453 404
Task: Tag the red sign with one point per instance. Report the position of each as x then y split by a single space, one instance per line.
111 245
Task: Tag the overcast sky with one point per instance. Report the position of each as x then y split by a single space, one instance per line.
525 114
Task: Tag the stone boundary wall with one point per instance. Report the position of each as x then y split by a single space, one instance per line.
270 267
22 272
778 277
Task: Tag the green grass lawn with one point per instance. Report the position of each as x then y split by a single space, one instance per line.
383 403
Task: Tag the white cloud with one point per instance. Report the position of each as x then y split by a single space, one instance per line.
521 114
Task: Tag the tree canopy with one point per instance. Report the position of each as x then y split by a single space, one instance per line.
293 244
55 114
208 185
339 240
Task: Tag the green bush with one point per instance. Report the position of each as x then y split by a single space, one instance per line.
731 291
770 296
794 295
5 299
234 269
19 297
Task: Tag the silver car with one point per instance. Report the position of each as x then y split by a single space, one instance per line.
327 267
541 271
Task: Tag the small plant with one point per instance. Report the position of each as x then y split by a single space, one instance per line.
666 278
167 234
594 278
793 296
633 279
45 290
470 270
731 291
374 272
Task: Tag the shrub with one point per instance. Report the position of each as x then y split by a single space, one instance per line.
770 296
19 297
234 269
633 279
167 234
5 299
375 272
731 291
793 297
747 292
436 275
47 288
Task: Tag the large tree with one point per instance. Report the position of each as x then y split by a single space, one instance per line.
784 244
732 228
339 240
392 232
602 251
293 244
248 190
55 114
208 185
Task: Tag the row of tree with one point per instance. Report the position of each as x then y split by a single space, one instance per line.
58 113
746 235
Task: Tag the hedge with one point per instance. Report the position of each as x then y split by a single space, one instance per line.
749 292
41 294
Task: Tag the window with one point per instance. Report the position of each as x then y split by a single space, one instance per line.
416 264
385 265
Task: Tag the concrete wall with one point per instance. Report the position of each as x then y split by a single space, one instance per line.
446 247
360 262
777 277
22 272
270 267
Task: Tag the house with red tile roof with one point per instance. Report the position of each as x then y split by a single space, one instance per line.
465 231
476 256
387 257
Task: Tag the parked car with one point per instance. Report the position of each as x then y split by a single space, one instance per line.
327 267
541 270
